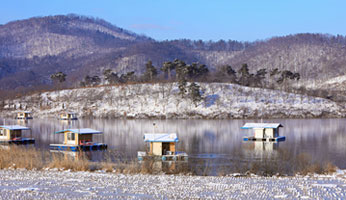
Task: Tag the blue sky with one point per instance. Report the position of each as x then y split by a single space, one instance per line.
244 20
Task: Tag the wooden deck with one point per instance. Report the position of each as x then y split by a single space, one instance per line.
23 141
26 118
276 139
68 119
65 147
179 156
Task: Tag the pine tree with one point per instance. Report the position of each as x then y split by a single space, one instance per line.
194 93
182 87
151 72
58 77
245 76
167 68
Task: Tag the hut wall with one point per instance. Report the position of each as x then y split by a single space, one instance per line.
151 148
8 134
259 132
172 147
269 132
157 148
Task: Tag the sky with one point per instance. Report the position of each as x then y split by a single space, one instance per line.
242 20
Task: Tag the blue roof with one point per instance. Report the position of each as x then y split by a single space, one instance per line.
261 125
81 131
161 137
14 127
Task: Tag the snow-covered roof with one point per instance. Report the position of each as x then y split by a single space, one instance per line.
161 137
81 131
261 125
28 112
14 127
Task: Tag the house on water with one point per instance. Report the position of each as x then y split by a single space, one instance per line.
68 116
78 140
163 146
24 115
264 132
12 134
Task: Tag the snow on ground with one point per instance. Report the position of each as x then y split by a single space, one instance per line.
162 100
22 184
336 83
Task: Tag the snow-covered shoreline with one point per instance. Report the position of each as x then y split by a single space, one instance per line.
23 184
162 100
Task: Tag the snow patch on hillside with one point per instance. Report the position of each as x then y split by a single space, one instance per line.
162 100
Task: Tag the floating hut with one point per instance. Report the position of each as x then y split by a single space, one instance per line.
12 134
24 115
264 132
78 140
162 146
68 116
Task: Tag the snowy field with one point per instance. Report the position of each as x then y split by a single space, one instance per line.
22 184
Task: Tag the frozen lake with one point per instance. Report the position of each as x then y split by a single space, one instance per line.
214 140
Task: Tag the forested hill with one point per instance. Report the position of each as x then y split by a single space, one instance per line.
33 49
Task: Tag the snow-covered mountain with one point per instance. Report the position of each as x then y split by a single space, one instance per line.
33 49
162 100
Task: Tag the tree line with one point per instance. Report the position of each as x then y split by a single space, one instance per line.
179 71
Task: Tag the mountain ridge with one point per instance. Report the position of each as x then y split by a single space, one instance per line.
32 49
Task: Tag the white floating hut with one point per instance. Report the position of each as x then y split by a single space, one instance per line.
162 145
264 132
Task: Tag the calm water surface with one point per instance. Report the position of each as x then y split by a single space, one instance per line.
323 139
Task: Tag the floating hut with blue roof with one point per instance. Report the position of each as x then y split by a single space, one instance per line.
12 134
78 140
163 146
264 132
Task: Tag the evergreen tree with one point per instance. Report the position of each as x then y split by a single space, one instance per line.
228 71
259 77
245 76
180 69
129 76
110 77
91 81
167 68
182 87
58 77
194 93
151 72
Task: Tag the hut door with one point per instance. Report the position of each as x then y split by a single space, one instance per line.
165 148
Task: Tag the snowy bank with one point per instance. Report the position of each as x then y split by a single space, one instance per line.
162 100
22 184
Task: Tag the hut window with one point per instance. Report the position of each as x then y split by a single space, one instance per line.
2 132
70 136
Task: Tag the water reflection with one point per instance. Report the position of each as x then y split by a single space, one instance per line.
323 139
